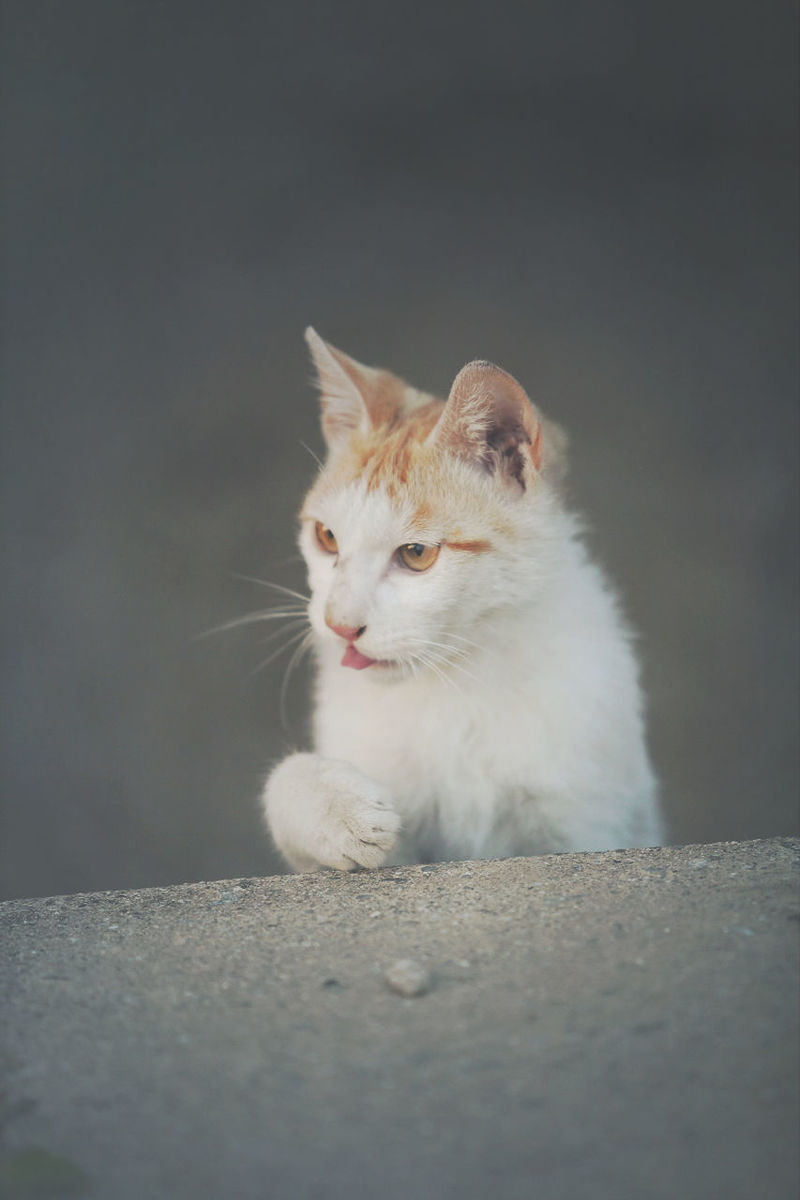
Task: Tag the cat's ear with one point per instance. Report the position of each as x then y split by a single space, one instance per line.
489 420
354 398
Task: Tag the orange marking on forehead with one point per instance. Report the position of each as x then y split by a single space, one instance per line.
387 461
388 464
477 547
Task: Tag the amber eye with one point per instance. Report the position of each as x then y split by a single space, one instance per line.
325 538
417 556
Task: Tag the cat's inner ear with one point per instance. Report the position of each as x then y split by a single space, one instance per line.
354 398
489 420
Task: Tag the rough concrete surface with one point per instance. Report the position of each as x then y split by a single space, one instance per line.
599 1025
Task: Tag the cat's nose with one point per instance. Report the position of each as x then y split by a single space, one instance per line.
349 632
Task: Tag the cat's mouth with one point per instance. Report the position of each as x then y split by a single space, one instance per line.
359 662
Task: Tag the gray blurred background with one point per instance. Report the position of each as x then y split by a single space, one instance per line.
599 196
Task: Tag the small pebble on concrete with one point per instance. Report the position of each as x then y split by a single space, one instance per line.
408 978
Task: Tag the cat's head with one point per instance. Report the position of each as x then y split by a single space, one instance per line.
429 520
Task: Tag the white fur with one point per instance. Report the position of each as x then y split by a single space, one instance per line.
524 735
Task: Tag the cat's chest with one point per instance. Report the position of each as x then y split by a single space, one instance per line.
418 742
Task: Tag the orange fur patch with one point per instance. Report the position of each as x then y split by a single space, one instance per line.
477 547
422 516
386 459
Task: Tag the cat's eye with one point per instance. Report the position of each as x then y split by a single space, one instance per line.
325 538
417 556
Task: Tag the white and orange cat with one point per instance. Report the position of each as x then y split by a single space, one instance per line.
477 695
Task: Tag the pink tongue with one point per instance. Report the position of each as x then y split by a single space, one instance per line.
355 659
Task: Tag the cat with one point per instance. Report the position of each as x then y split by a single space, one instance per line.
477 695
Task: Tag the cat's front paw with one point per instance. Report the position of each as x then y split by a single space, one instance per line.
325 812
357 824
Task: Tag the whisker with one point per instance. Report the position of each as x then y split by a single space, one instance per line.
464 671
445 678
315 457
276 587
276 633
440 646
284 562
296 637
467 641
444 658
294 661
267 614
432 664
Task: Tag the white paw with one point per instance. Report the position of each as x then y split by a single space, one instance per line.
325 812
356 823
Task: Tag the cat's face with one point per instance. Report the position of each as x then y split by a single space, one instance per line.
420 524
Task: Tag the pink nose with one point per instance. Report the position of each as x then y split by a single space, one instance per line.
348 632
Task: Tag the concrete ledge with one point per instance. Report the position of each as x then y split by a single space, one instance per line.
600 1025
